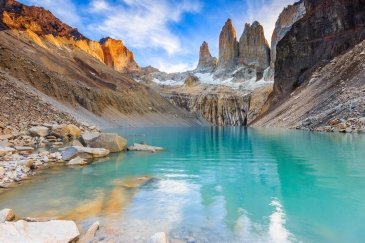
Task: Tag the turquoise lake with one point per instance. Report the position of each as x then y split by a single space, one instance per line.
212 185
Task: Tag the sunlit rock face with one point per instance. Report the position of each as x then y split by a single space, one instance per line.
207 63
41 25
287 18
228 47
118 56
253 47
328 29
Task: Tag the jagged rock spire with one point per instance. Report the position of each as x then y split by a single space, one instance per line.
206 61
253 47
228 46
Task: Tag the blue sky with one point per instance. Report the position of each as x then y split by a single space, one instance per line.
166 34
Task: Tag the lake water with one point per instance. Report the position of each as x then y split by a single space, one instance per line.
213 185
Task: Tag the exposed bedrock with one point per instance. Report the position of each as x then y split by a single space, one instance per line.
218 109
328 29
287 18
253 47
228 46
207 63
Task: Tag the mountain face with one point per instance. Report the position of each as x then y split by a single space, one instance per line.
328 29
207 63
319 70
75 75
40 22
228 46
253 47
287 18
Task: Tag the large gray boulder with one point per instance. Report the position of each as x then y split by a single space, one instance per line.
111 141
34 232
84 153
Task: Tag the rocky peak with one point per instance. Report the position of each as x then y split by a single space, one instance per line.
117 56
228 46
328 29
253 47
15 15
206 61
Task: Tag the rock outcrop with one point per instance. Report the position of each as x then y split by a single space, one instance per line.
287 18
39 22
253 47
228 47
117 56
207 63
328 29
218 109
15 15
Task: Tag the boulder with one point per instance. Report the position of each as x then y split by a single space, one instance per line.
144 147
74 131
50 231
77 161
60 131
160 237
90 234
362 120
39 131
88 136
111 141
24 148
6 215
6 150
84 152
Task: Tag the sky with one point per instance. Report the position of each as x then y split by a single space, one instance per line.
165 34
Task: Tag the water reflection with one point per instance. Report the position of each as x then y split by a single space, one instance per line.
215 185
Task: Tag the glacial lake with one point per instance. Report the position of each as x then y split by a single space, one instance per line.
212 185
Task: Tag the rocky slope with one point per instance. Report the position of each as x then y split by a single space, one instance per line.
67 69
328 29
332 99
42 23
319 70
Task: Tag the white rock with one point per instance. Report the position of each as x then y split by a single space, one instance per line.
160 237
32 232
144 147
39 131
6 150
77 161
90 234
6 215
2 172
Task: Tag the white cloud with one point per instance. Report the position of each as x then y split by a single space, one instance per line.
266 12
168 67
65 10
143 23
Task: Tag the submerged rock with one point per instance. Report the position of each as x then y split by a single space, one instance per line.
144 147
83 152
50 231
160 237
77 161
